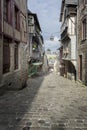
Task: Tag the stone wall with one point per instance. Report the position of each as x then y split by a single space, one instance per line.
16 79
82 44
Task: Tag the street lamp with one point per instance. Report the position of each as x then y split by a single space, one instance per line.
51 38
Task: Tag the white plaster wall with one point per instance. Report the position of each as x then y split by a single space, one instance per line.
71 26
73 47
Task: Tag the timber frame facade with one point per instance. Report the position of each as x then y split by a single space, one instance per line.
36 39
68 17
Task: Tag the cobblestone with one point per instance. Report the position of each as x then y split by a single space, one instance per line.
49 102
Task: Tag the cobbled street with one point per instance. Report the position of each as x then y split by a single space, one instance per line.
49 102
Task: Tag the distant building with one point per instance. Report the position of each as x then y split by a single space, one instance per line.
82 40
13 40
68 36
48 51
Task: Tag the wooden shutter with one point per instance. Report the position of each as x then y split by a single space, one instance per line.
0 18
6 56
16 56
11 12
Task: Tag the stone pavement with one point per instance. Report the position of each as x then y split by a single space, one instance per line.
49 102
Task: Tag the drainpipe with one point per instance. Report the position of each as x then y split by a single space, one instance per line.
77 42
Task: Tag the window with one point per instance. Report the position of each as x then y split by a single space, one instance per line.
17 18
8 11
84 25
16 56
6 55
30 21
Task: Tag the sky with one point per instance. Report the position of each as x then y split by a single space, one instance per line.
48 12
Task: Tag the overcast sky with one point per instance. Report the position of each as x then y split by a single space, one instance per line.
48 12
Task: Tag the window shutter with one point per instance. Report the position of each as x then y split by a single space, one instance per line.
18 20
6 58
0 18
85 1
16 56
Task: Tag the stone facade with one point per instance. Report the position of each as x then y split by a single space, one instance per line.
13 37
82 41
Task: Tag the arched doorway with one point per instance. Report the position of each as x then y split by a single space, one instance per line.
71 70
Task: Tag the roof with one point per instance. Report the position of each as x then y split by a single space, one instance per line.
65 3
36 18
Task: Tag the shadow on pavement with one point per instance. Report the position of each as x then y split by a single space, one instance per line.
14 106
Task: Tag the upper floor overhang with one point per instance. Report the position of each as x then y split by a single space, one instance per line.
67 3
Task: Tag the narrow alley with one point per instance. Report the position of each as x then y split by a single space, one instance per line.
49 102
